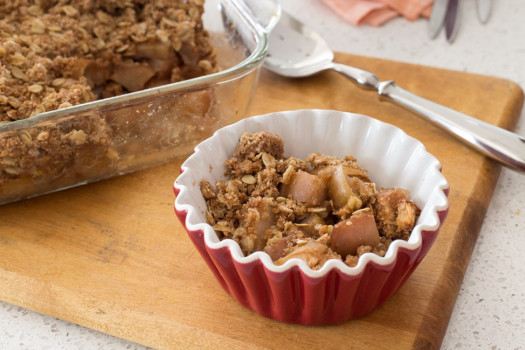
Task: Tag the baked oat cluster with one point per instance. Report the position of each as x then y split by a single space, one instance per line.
315 209
58 53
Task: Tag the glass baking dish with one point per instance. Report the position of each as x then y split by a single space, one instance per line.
101 139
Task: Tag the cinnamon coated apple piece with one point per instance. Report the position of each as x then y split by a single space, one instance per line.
256 216
132 75
341 192
305 187
350 234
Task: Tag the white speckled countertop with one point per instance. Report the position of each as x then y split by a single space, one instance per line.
490 309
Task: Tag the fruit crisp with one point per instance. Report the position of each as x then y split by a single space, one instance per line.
59 53
316 209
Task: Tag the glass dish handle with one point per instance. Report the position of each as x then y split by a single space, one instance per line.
264 13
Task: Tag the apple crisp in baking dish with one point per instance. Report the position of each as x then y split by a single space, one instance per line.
62 53
58 53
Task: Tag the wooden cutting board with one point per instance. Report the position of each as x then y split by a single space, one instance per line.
113 257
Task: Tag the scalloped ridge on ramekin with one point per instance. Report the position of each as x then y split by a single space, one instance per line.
392 158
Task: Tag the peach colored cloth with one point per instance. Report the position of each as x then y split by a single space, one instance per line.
378 12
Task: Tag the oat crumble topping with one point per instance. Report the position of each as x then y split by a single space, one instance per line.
58 53
315 209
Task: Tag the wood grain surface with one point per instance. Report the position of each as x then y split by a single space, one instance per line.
112 256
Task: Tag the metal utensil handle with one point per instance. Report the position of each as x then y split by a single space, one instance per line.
365 78
497 143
